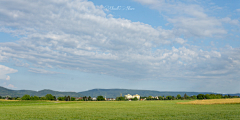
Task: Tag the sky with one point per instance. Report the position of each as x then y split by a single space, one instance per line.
162 45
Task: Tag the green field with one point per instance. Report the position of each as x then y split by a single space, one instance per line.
116 110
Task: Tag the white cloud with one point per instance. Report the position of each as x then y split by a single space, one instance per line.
189 19
180 40
10 86
78 35
4 70
238 10
229 20
42 71
8 78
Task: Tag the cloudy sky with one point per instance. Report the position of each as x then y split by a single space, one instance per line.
78 45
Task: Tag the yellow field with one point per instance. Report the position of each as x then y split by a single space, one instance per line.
8 100
213 101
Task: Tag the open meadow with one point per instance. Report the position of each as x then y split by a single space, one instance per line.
168 109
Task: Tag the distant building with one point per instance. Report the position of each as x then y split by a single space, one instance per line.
137 96
94 99
128 96
110 99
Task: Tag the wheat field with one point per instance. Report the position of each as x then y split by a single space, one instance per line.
213 101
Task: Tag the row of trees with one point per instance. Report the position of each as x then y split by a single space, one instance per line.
46 97
10 98
214 96
101 98
199 96
51 97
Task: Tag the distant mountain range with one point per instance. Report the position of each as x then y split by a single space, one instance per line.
112 93
109 93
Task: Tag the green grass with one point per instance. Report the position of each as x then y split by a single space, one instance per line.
115 110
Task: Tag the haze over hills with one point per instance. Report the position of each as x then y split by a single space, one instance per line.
109 93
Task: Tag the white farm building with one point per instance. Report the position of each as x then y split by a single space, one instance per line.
128 96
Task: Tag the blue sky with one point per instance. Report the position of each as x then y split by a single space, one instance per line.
78 45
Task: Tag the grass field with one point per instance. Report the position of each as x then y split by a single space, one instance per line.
116 110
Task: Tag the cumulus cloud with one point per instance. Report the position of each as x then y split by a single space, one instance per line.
78 35
4 70
9 85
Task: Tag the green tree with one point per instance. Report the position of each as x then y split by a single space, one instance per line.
160 97
200 96
169 97
49 97
89 98
149 98
31 98
100 98
120 99
65 98
34 98
26 97
85 98
207 96
73 99
10 98
61 98
225 96
185 96
229 96
194 97
68 98
43 98
178 96
0 97
219 96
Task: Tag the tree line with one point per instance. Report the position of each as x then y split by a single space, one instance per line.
186 97
179 97
51 97
101 98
